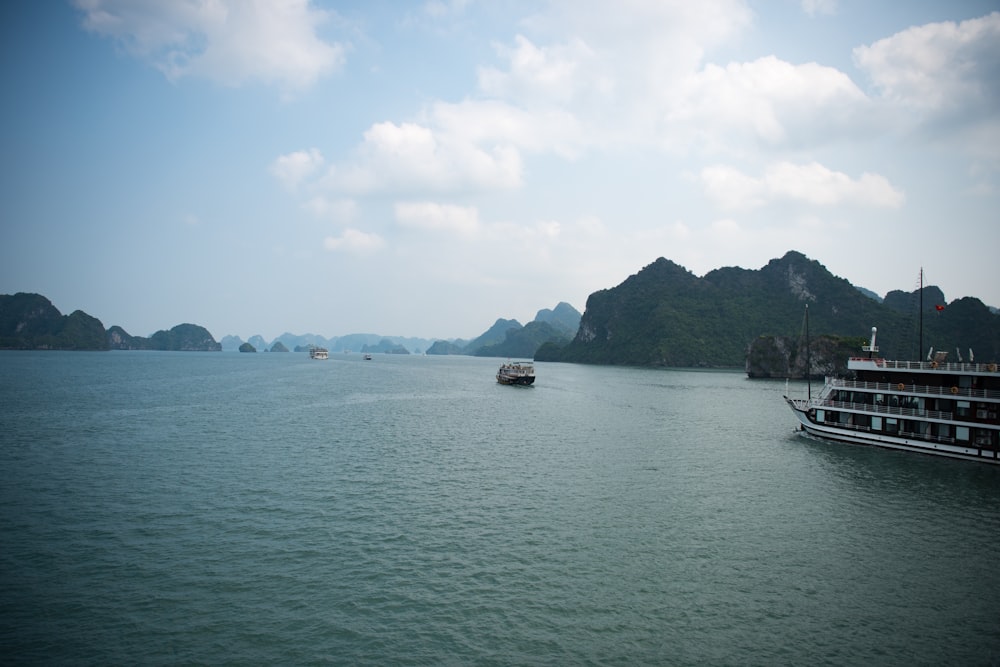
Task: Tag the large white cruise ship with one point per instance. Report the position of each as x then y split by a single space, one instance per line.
934 407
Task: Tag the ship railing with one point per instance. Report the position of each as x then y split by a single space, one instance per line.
926 437
889 387
893 410
946 367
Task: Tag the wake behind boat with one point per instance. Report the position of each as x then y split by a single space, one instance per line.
517 372
934 407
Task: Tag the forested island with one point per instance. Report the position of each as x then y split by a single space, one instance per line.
30 322
664 315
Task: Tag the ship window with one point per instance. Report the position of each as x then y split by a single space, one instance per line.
963 408
821 416
876 423
984 438
962 433
879 399
891 425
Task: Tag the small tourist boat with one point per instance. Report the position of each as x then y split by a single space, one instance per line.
318 353
367 357
516 372
933 406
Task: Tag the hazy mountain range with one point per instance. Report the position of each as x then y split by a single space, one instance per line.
559 323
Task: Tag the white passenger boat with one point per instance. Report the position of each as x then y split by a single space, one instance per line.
319 353
934 406
516 372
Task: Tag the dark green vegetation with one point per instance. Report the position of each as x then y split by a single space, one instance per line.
31 322
666 316
183 337
279 347
247 347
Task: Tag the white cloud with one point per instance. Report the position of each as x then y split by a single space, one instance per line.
811 184
438 217
615 68
292 169
354 241
814 7
768 100
338 210
610 78
231 42
409 157
938 66
556 74
492 123
731 188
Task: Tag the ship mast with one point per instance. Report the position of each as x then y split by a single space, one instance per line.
809 393
920 336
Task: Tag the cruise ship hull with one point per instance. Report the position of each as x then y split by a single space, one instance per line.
818 431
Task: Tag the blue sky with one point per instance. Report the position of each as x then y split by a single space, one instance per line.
423 168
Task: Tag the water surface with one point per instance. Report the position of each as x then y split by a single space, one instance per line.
268 508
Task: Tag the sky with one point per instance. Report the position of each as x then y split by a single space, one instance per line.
424 168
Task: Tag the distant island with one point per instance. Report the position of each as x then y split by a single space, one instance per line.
30 322
506 338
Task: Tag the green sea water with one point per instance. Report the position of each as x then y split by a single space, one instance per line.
224 508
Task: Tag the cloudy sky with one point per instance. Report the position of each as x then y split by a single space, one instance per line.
424 168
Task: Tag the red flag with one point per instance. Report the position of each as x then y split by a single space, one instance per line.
939 307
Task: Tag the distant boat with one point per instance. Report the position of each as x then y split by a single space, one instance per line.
368 357
517 372
318 353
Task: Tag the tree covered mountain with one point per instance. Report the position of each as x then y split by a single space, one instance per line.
524 342
385 346
508 338
563 318
31 322
181 338
666 316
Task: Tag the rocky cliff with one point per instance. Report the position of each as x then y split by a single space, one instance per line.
785 357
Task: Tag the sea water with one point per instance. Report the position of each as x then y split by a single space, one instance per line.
271 509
